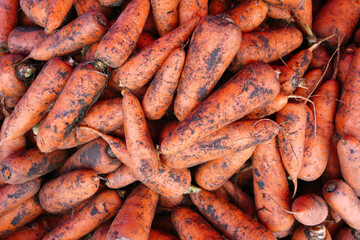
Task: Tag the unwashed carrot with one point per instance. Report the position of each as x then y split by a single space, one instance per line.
311 80
34 230
83 6
9 19
305 13
273 107
144 39
56 12
213 45
118 43
165 15
189 9
287 4
332 170
22 39
346 57
101 231
35 10
111 3
120 178
156 234
279 13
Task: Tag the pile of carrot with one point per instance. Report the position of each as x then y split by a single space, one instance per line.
180 119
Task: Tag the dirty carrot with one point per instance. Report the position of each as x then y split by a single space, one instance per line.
35 10
9 20
22 39
56 12
189 9
165 15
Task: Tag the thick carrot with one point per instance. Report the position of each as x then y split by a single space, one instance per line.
212 175
29 164
346 57
9 20
160 235
342 198
240 198
118 43
226 217
35 10
34 230
189 9
80 91
145 160
235 137
101 231
38 99
233 100
14 195
141 67
213 45
120 178
310 209
84 30
348 149
56 12
95 155
68 190
318 232
127 224
22 39
160 93
19 216
105 115
292 139
348 113
96 211
144 39
317 149
83 6
271 194
347 233
165 15
266 46
287 4
249 14
190 225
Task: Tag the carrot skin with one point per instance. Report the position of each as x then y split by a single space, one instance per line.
9 20
311 79
332 170
35 10
118 43
120 178
34 230
305 13
225 106
22 39
273 107
310 209
56 12
213 45
222 215
127 224
278 13
346 57
101 231
287 4
166 15
159 235
189 9
144 39
111 3
83 6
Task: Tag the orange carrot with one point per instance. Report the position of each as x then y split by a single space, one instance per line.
273 107
165 15
22 39
287 4
305 13
213 45
127 224
315 232
279 13
34 230
101 231
111 3
159 235
8 19
120 178
170 203
346 57
35 10
189 9
141 67
144 39
56 12
83 6
24 20
311 80
84 30
118 43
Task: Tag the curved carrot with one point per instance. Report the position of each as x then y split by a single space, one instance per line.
9 20
305 13
273 107
213 45
21 40
279 13
165 15
118 43
56 12
189 9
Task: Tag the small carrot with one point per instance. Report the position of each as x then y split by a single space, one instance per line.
318 232
127 224
235 99
68 190
226 217
273 107
35 10
165 15
342 198
99 209
213 45
189 9
8 19
118 43
305 13
190 225
22 39
56 12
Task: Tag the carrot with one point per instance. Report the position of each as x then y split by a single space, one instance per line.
332 170
29 164
249 14
212 175
213 45
266 46
291 141
14 195
127 224
118 43
21 40
19 216
271 193
101 231
331 19
83 6
348 114
317 149
142 66
190 225
145 160
190 9
56 11
347 233
348 149
37 100
159 235
95 155
105 115
287 4
171 203
144 39
8 19
165 15
289 79
80 92
321 58
279 13
230 102
342 198
346 57
89 52
311 80
318 232
68 190
159 94
120 178
240 198
273 107
305 13
96 211
226 217
111 3
35 10
218 6
34 230
84 30
227 141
